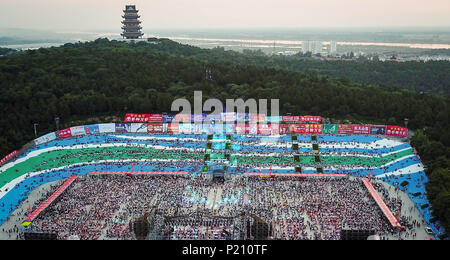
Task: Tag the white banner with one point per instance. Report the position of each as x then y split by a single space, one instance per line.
107 128
45 139
186 128
228 117
139 128
77 130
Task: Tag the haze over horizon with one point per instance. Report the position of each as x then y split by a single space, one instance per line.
103 15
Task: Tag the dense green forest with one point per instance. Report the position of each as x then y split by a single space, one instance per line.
109 78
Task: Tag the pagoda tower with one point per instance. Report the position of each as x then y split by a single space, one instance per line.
131 24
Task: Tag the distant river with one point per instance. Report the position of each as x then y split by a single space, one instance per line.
32 46
269 43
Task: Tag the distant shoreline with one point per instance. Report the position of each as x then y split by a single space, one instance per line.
293 42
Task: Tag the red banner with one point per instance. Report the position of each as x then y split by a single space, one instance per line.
155 128
306 129
396 131
275 129
254 118
66 133
136 118
228 117
155 118
345 129
301 119
143 118
180 118
310 119
8 157
264 129
284 129
313 129
290 119
297 129
240 129
361 129
251 129
173 128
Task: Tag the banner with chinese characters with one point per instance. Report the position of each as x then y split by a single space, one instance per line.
186 128
251 129
168 118
311 119
173 128
275 129
396 131
240 129
182 118
8 157
45 139
305 129
143 118
345 129
313 129
297 129
155 128
198 118
264 129
107 128
256 118
294 119
228 117
361 129
77 130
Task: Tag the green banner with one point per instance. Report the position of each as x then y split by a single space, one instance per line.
330 129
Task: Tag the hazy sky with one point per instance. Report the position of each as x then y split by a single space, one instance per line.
77 15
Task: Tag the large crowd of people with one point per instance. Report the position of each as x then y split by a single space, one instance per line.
103 206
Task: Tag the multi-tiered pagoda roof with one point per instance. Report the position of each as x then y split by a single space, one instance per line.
131 23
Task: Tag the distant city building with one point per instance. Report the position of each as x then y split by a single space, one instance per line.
131 23
315 47
333 48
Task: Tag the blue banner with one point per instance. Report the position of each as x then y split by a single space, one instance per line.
92 129
168 118
123 128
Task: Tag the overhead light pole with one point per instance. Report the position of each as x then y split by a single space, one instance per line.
57 123
35 129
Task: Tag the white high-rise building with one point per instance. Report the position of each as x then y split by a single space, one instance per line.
333 48
314 47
